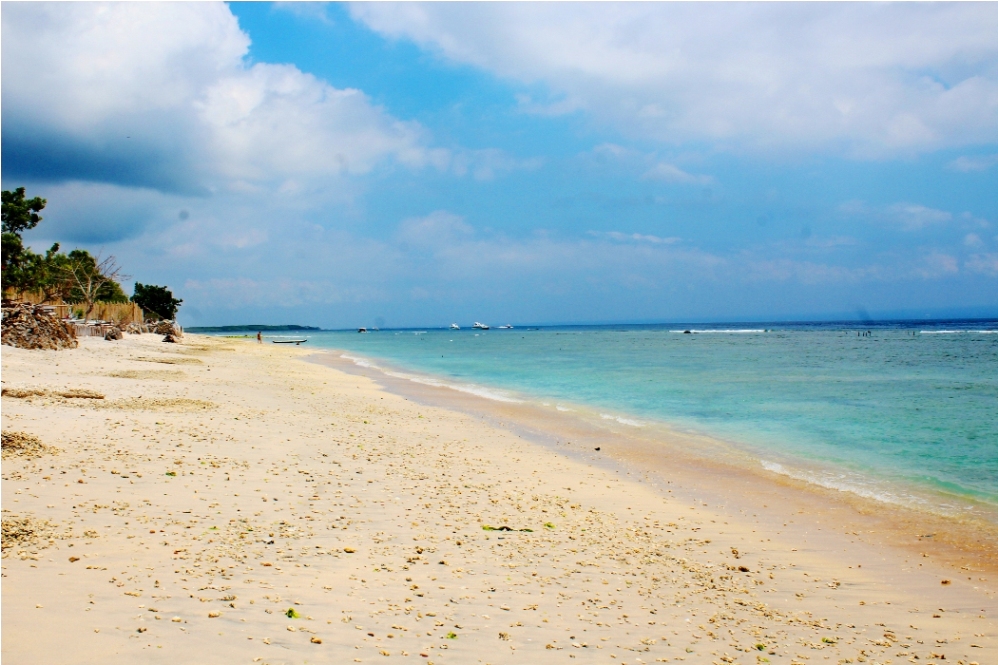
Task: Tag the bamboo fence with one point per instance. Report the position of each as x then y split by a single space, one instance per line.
119 313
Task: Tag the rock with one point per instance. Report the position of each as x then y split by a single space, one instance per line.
28 326
22 444
135 328
114 334
170 338
167 328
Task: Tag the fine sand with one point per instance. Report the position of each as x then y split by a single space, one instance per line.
222 501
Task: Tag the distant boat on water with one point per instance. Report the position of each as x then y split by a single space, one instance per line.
296 342
480 326
506 327
454 326
362 330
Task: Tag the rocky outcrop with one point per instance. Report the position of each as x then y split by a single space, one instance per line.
113 334
28 326
168 328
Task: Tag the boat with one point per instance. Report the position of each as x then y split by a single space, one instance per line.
362 330
480 326
454 326
506 327
289 341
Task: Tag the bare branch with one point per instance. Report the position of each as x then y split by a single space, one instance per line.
89 276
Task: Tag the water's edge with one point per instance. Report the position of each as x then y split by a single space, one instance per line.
603 425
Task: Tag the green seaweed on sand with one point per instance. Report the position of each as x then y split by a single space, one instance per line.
292 613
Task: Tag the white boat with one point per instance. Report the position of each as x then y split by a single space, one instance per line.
506 327
480 326
362 330
296 342
454 326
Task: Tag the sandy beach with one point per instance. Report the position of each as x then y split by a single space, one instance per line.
222 501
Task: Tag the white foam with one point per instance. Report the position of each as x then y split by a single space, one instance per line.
563 408
958 332
469 388
840 484
742 331
361 362
622 421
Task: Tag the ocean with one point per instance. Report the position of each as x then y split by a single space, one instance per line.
903 412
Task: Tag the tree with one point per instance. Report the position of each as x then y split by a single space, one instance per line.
93 279
47 274
18 215
156 300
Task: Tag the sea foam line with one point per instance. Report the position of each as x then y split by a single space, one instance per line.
468 388
841 486
622 421
730 332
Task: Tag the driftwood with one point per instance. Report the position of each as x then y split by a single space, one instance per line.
28 326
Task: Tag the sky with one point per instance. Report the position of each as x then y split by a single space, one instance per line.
400 165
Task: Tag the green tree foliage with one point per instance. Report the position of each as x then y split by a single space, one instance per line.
47 274
77 277
18 215
156 300
93 279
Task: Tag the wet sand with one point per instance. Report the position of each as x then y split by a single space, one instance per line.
232 502
704 469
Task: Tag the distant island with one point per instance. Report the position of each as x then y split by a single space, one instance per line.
248 328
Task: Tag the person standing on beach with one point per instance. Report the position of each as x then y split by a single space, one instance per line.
259 337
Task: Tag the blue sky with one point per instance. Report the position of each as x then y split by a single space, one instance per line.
341 165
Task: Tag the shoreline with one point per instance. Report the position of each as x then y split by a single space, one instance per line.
226 502
958 538
740 448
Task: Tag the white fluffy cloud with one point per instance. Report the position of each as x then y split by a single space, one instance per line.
672 173
966 164
137 93
913 217
858 78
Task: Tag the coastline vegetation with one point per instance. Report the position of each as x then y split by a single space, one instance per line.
77 277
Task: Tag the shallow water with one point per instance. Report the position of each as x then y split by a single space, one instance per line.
906 412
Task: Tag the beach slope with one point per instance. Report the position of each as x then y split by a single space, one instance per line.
224 501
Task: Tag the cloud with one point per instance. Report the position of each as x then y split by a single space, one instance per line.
936 264
247 293
866 80
634 237
487 163
671 173
908 216
972 240
967 164
984 264
312 11
913 217
98 213
434 230
162 96
809 272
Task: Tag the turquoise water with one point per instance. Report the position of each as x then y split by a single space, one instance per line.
907 412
